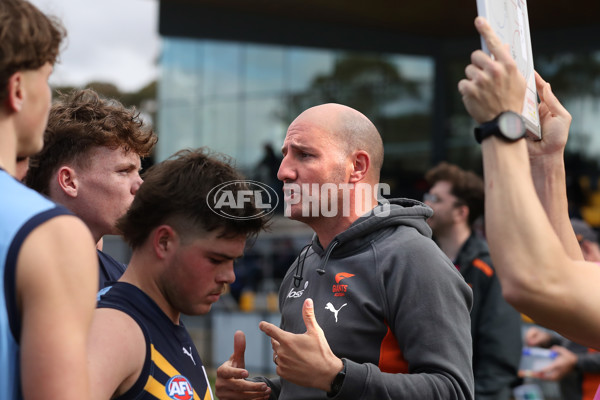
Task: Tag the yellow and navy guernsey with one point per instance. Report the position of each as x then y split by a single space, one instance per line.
173 369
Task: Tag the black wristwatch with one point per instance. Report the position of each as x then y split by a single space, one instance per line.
509 126
336 385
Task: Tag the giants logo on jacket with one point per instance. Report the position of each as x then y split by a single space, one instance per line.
179 388
340 289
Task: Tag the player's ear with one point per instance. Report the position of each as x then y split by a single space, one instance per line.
163 241
67 180
462 211
16 93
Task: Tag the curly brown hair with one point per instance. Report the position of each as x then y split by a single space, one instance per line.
79 122
467 186
176 192
28 39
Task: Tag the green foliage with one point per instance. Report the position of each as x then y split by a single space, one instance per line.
571 74
366 83
109 90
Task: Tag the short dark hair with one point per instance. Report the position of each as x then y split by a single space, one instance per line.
175 192
79 122
28 39
467 186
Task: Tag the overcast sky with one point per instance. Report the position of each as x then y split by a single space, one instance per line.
113 41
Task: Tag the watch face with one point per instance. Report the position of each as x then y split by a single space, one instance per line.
511 125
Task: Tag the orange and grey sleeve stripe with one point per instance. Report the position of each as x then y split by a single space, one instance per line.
483 267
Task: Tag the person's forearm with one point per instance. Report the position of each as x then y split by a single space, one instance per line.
538 277
524 248
548 175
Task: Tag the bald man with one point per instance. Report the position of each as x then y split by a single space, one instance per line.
371 308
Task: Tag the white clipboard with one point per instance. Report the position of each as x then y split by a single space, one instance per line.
510 21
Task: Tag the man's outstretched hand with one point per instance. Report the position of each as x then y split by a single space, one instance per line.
304 359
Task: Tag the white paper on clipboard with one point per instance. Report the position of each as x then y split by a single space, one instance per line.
510 21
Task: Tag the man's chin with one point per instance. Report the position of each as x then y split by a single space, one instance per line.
298 215
295 212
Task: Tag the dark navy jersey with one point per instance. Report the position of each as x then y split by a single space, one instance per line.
172 369
110 269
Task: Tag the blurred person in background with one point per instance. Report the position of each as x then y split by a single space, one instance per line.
457 199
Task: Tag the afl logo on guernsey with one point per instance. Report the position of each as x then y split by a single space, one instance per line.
179 388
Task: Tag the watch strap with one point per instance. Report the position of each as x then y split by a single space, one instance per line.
485 130
336 384
493 128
